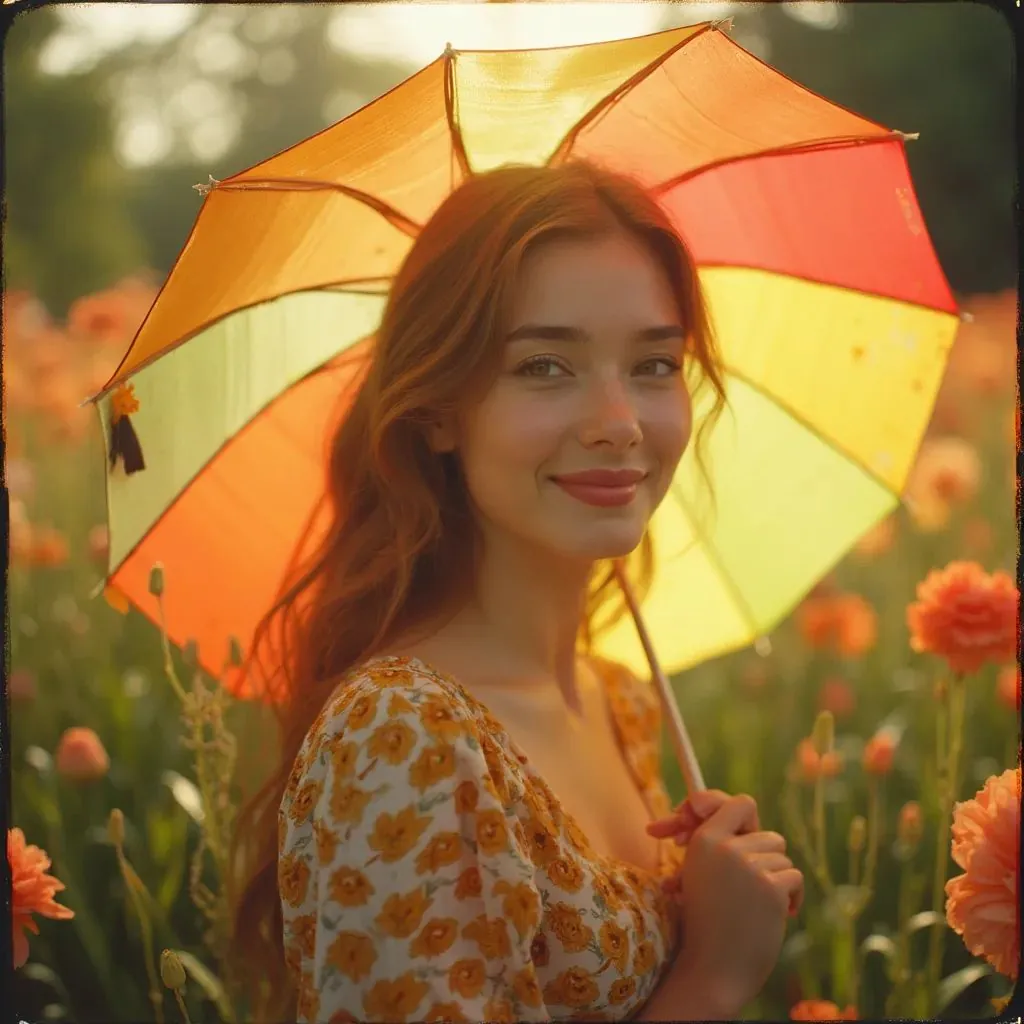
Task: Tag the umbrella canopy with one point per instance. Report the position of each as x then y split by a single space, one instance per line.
831 312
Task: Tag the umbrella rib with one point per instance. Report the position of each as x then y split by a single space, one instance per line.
339 361
817 145
404 224
562 150
793 414
774 272
450 103
150 360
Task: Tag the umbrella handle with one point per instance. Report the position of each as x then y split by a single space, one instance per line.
677 730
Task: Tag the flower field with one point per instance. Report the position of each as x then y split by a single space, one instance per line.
879 734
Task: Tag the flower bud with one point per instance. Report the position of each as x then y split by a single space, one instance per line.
115 827
156 580
857 835
81 756
235 654
172 972
878 754
911 825
190 654
810 766
823 734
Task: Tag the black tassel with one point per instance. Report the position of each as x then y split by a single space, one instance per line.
124 442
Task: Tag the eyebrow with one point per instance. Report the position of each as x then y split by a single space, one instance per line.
552 332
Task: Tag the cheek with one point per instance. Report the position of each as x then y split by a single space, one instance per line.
670 425
508 439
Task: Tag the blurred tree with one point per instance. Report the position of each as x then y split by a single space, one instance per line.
241 83
67 230
945 70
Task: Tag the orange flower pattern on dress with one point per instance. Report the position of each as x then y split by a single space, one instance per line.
427 873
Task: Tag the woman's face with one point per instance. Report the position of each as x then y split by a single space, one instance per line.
590 378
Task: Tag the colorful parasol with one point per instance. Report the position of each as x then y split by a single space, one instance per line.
830 308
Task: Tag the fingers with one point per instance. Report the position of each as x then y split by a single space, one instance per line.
692 812
737 815
790 884
758 842
771 862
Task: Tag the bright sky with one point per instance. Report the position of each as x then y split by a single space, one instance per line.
414 32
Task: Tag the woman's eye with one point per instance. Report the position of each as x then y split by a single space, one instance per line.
671 365
529 368
526 369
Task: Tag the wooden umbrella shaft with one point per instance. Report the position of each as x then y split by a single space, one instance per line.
677 729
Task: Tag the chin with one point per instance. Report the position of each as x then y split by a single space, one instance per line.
607 543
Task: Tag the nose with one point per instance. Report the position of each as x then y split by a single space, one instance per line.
610 417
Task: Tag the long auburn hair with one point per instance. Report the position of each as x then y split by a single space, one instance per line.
397 549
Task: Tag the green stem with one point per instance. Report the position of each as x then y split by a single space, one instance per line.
168 659
820 851
895 1002
948 753
155 992
791 804
182 1007
874 829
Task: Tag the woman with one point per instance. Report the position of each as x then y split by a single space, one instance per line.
467 822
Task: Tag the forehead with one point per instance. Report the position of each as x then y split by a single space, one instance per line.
613 276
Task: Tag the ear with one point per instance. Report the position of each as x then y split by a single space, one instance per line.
441 435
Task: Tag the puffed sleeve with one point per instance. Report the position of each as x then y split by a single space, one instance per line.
405 892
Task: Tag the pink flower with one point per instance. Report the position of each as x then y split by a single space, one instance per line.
981 904
32 891
80 755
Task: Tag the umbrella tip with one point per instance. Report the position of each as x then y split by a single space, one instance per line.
204 188
448 51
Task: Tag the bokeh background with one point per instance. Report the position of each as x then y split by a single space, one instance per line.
114 111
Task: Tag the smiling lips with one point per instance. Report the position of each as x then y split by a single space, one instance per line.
602 487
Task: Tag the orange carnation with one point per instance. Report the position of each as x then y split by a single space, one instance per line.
965 616
845 623
981 904
821 1009
32 891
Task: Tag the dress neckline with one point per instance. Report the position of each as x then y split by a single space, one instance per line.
523 757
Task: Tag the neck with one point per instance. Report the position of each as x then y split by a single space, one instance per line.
526 611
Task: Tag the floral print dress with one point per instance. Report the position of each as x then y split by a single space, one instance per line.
428 873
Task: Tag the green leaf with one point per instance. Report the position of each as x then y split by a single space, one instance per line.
879 944
956 984
211 985
925 919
